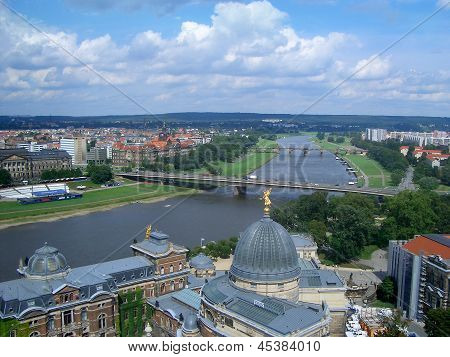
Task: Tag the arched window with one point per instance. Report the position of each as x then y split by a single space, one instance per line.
84 315
171 268
172 285
163 287
34 334
50 323
162 270
102 321
181 283
180 266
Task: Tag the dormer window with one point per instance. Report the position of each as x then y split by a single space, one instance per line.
162 270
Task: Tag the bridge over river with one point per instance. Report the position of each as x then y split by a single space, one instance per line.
240 184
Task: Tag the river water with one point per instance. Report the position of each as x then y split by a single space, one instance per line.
212 215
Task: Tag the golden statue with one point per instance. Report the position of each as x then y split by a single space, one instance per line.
267 201
148 231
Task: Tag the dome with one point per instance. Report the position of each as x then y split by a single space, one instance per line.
265 252
190 323
46 261
201 261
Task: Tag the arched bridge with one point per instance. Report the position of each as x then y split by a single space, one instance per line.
241 183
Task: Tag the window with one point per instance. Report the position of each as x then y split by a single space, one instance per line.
163 287
162 270
180 266
34 334
172 285
50 323
12 333
171 269
67 317
84 315
253 285
102 321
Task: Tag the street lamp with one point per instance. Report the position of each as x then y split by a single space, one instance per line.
201 242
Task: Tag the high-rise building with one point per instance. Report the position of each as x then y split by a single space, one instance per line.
77 148
376 134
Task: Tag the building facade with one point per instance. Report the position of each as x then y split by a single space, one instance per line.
105 299
24 165
76 147
419 267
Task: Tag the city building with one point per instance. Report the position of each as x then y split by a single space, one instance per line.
25 165
305 246
32 146
104 299
76 147
376 134
414 266
97 156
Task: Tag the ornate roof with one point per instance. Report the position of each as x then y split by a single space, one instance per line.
46 261
201 261
190 323
265 252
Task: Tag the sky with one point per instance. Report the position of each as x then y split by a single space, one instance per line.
114 57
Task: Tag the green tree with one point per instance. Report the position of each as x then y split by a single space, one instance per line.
5 177
396 177
445 174
437 322
386 291
320 135
428 183
101 174
408 213
318 230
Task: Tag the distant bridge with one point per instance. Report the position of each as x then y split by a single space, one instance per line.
240 184
307 149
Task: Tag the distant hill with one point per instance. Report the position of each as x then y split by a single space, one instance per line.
207 119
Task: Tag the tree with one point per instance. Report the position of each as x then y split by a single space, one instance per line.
437 322
387 290
428 183
393 326
340 139
445 174
330 139
352 228
318 230
320 135
408 213
5 177
396 177
101 174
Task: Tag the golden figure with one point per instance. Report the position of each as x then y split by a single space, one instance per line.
148 231
267 201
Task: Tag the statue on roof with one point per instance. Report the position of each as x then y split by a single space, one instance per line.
148 231
267 201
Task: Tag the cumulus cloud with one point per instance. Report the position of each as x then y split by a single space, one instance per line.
247 57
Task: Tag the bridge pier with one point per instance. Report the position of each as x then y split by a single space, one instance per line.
239 190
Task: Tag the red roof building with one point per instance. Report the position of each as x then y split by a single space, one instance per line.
430 244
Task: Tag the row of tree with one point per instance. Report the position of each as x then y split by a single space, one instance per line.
222 148
342 226
63 173
221 249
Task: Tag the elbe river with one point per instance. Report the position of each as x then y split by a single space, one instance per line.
212 215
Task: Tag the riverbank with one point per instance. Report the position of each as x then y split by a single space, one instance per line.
13 213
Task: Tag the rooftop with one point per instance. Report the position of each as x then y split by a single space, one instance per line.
430 244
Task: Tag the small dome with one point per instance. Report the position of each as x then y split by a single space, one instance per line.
201 261
265 252
190 323
46 261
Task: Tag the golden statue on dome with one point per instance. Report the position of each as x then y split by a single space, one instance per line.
148 231
267 201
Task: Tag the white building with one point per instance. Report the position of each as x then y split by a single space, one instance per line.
76 148
376 134
32 146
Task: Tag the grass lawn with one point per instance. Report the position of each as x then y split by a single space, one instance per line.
245 165
382 304
266 144
372 169
443 188
367 251
88 183
111 196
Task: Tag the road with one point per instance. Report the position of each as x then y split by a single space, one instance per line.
407 181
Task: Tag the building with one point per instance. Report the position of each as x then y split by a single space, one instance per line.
25 165
411 266
305 246
104 299
76 147
32 146
435 283
376 134
97 156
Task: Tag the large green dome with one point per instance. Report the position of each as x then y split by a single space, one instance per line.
265 252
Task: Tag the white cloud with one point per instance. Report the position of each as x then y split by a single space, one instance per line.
247 57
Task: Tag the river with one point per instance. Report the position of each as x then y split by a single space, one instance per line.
212 215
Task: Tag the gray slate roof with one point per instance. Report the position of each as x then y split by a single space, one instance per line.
184 302
265 252
17 297
317 278
303 240
281 316
201 261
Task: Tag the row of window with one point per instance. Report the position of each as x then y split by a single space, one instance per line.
162 269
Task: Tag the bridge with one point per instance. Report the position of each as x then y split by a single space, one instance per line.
307 149
240 184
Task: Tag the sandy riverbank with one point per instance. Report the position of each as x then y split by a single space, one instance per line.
58 216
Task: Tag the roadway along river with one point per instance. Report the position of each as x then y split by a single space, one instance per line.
212 215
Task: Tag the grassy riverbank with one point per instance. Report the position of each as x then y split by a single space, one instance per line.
377 175
248 163
12 212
